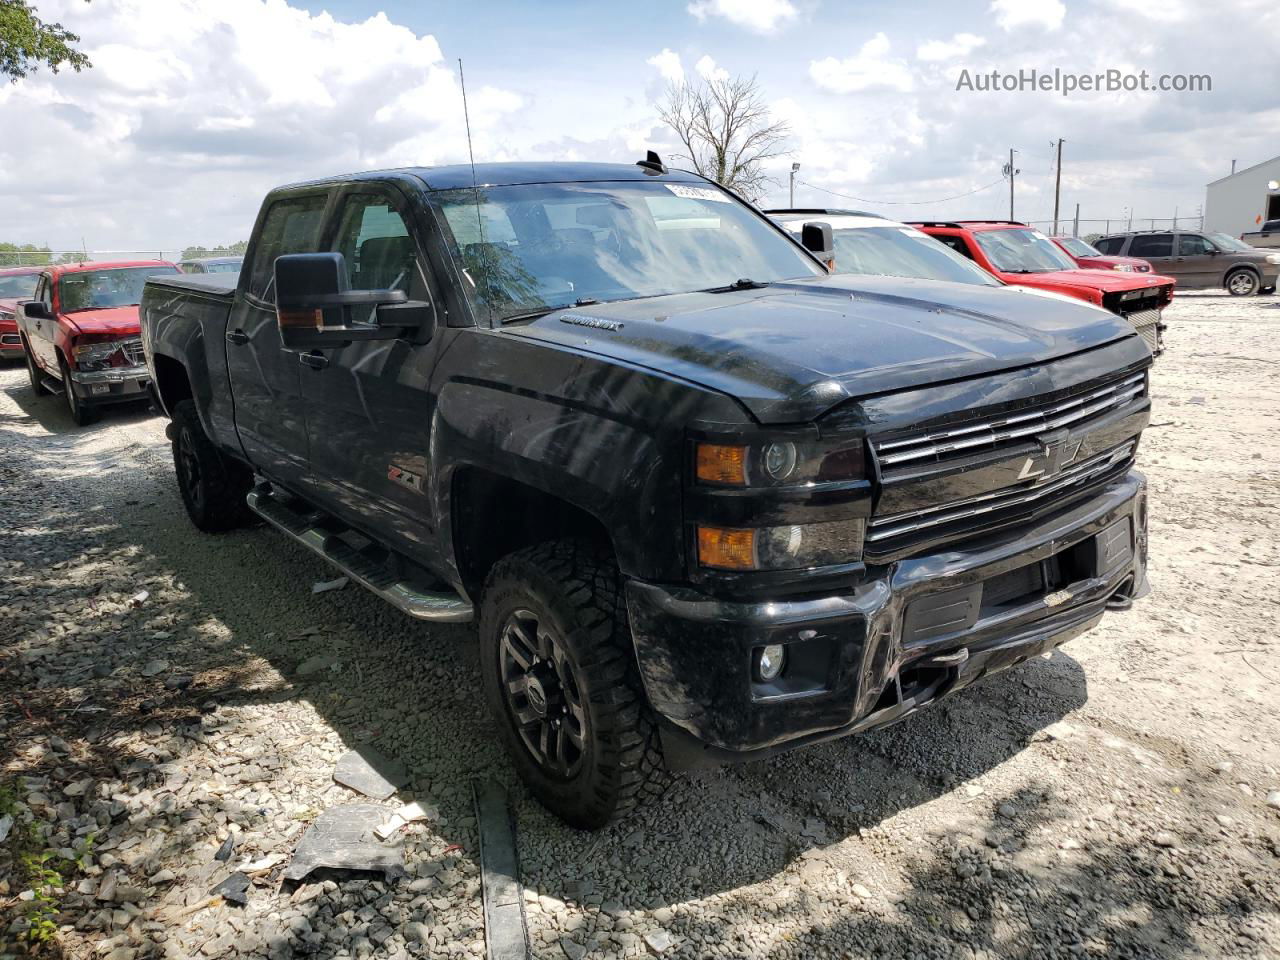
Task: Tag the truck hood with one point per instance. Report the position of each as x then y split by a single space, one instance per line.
1108 281
110 320
791 351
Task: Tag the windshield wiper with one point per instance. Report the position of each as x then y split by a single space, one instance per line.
744 283
543 311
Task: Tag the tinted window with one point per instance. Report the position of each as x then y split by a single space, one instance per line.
1152 245
292 226
1193 245
957 244
99 289
374 240
1110 245
21 286
542 246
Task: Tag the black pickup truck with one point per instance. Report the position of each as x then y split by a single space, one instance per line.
705 501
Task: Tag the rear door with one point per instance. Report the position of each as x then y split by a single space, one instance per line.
1157 249
1198 261
370 406
265 378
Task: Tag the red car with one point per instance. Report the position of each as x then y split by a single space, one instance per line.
1025 257
16 283
80 330
1089 258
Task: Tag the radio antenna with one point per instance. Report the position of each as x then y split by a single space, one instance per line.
475 186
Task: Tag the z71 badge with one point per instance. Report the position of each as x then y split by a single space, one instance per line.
406 478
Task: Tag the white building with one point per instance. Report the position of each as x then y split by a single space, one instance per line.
1238 203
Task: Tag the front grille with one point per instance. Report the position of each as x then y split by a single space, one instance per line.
1006 430
132 350
1132 301
988 511
1147 323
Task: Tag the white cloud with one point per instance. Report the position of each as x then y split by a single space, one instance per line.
871 69
1011 14
961 45
707 69
758 16
192 111
668 64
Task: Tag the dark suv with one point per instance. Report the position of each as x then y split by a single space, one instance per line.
1198 260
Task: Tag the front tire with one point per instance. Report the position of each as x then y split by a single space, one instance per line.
81 413
213 486
1242 283
560 678
34 373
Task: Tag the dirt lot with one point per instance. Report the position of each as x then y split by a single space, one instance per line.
1120 798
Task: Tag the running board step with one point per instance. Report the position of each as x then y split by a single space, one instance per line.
52 384
367 566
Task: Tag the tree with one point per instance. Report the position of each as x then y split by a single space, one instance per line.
27 42
24 255
236 249
725 128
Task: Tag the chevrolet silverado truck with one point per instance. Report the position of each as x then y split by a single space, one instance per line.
705 501
80 334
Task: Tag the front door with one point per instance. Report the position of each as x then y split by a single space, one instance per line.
42 332
1156 249
1199 262
369 405
265 378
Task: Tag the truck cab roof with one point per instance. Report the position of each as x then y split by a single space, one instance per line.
460 175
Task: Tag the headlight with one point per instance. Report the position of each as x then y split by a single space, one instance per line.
789 547
779 463
1123 267
94 355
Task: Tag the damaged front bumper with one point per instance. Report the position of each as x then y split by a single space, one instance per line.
913 632
112 385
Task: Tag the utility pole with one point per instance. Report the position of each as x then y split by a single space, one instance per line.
795 168
1075 224
1057 189
1233 168
1011 171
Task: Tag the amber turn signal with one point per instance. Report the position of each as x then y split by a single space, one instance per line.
723 464
727 549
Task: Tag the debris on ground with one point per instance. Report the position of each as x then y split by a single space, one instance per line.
324 586
505 930
409 813
367 771
234 889
227 848
342 838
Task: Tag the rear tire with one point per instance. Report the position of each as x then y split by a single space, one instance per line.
560 678
213 486
81 413
34 373
1242 283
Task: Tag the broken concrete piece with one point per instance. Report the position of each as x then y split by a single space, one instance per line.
342 838
228 845
324 586
234 889
367 771
6 823
409 813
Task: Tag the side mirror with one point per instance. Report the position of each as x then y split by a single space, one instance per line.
1214 251
36 309
314 304
816 238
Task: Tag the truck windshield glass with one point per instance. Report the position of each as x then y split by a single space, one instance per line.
98 289
549 245
902 252
1078 248
1022 251
21 286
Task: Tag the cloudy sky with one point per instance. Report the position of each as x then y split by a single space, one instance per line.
195 107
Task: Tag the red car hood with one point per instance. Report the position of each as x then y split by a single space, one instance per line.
1088 262
121 321
1108 281
8 306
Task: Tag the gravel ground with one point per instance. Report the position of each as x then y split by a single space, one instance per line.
1120 798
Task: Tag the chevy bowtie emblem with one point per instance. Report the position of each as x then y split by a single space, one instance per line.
1051 460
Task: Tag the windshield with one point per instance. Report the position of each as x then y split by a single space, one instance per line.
550 245
20 286
96 289
902 252
1078 248
223 266
1227 242
1022 251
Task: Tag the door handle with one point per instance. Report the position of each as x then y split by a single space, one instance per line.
237 337
315 360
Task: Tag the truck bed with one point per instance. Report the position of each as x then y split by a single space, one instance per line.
219 286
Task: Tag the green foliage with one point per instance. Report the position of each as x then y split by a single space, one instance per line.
236 249
26 254
28 43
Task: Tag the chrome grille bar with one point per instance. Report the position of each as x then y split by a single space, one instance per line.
895 525
132 350
998 430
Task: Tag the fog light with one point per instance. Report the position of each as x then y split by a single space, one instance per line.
770 661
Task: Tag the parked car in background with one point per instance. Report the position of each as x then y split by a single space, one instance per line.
1266 238
16 283
706 501
211 265
1019 254
80 332
1089 258
1199 260
869 244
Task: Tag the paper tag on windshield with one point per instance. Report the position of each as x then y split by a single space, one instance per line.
690 192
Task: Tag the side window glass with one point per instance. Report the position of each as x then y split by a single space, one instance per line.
957 244
44 293
1110 246
375 242
292 226
1193 245
1152 245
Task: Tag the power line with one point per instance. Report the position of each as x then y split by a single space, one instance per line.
897 203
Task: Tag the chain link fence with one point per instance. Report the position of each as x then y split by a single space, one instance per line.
43 258
1103 226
